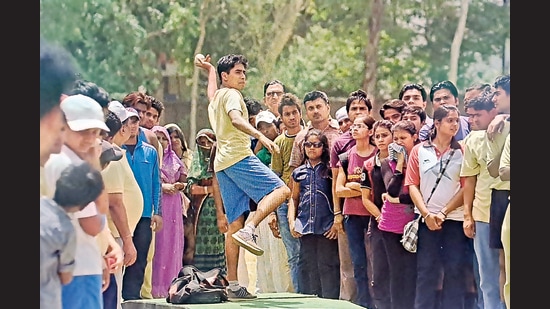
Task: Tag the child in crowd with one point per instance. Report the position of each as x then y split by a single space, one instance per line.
311 219
77 186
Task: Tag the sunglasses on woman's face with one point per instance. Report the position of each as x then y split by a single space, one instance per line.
314 145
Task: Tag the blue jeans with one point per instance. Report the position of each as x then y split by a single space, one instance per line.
360 253
292 245
489 270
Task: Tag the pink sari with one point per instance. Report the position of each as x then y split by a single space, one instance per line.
167 259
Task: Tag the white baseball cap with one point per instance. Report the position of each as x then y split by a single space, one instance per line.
265 116
119 110
83 112
341 114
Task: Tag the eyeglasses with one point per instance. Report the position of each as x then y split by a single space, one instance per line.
271 94
314 145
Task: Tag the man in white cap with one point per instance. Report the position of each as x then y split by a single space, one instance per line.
125 197
343 119
85 123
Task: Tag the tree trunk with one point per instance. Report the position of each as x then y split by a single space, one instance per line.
457 42
203 19
371 53
280 32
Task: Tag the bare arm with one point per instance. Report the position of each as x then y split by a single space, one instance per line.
223 225
242 124
342 188
469 193
212 77
120 219
367 202
65 277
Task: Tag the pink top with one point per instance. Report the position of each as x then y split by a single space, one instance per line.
395 216
354 205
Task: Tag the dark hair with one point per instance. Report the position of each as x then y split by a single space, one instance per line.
413 86
78 185
253 106
289 99
325 156
314 95
382 123
446 84
360 95
113 123
405 126
503 82
57 73
227 62
415 109
156 104
367 120
91 90
440 113
274 82
135 97
397 104
172 127
484 101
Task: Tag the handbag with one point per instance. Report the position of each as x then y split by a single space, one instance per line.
193 286
409 239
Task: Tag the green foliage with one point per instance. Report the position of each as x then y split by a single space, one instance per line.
116 43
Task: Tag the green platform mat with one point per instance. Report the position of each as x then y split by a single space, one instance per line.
264 300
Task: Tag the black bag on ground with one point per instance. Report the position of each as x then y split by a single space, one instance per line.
193 286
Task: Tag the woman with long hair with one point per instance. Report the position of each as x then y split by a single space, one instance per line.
167 260
433 179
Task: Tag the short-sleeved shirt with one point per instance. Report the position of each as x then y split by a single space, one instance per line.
354 205
342 144
233 144
505 156
475 164
332 132
119 178
494 148
314 212
423 167
88 258
280 161
57 251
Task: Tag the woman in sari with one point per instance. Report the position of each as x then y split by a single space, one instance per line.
206 221
167 260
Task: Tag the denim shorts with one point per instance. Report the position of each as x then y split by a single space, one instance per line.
83 292
245 180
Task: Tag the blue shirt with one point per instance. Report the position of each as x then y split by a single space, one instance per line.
463 129
315 210
145 165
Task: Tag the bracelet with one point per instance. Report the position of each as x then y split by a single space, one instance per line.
443 213
378 218
337 213
129 235
426 216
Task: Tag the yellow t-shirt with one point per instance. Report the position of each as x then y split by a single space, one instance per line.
474 163
119 178
494 148
233 144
